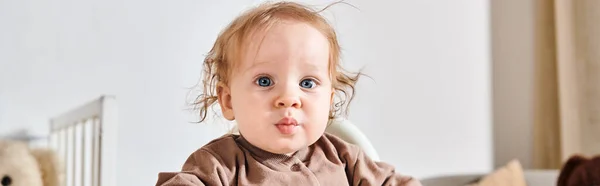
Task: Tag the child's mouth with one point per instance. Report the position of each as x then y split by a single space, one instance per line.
287 125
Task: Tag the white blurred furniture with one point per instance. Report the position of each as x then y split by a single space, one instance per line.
348 132
86 140
26 137
532 177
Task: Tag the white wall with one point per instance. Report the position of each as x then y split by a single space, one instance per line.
427 109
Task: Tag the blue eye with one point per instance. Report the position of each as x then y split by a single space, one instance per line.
264 82
308 83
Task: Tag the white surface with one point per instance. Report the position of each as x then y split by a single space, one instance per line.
532 178
427 110
348 132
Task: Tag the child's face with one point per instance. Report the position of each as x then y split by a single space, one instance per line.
281 92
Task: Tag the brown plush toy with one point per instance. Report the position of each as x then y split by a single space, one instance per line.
22 166
580 171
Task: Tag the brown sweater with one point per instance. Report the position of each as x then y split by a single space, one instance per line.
231 160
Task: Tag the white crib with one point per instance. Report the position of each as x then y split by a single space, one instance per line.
86 140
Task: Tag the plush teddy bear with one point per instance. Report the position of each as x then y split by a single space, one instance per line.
580 171
24 166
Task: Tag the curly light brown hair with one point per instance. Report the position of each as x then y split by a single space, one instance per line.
231 42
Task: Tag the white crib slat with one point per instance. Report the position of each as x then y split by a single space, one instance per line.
109 133
74 165
83 124
66 154
95 151
86 111
88 162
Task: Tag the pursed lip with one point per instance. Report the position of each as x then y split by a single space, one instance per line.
287 121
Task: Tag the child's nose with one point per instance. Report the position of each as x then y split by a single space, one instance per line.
288 100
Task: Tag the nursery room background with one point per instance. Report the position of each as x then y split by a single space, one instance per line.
456 87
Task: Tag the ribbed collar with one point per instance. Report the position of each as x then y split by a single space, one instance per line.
280 162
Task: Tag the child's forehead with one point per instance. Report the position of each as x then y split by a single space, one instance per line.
282 40
282 30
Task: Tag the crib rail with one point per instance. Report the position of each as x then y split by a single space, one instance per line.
86 140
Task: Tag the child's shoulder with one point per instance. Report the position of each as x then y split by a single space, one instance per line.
333 138
217 148
336 141
337 145
222 150
224 144
223 140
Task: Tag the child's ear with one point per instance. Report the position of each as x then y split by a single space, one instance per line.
332 96
224 97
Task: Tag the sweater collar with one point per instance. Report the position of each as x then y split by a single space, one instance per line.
273 160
